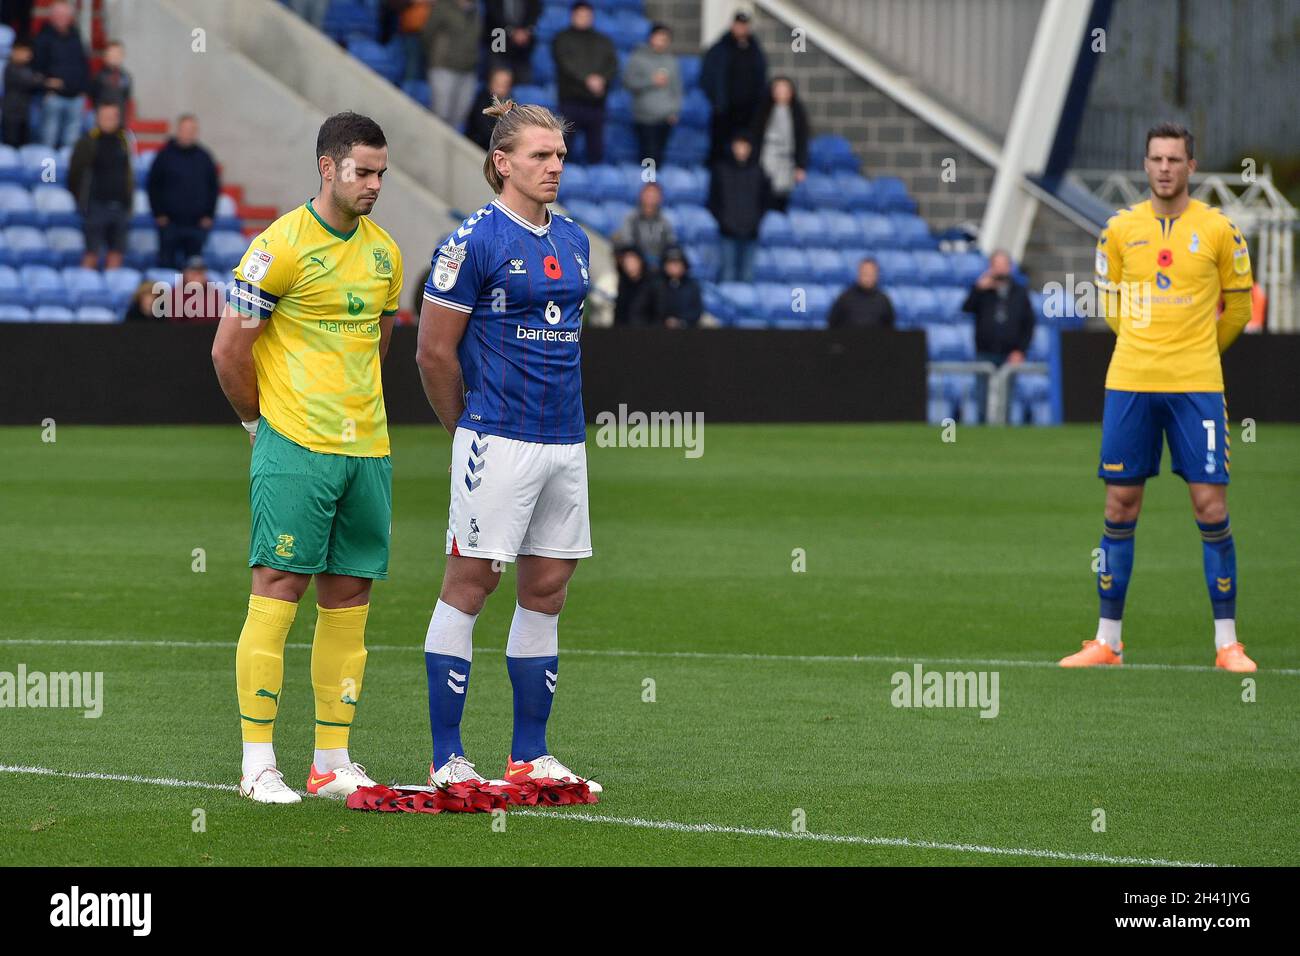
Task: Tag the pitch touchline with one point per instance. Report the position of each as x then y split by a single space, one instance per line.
692 655
578 816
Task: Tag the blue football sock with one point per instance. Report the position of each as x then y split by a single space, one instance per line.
448 684
1219 557
533 680
1116 567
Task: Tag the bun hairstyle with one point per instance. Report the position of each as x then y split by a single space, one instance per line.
512 118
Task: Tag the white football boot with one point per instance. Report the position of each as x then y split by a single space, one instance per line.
341 782
268 786
455 770
544 767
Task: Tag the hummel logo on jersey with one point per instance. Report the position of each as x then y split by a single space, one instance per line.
551 678
517 267
457 682
1224 584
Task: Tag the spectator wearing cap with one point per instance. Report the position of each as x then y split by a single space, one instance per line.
509 28
635 302
452 62
183 190
738 192
654 78
734 78
61 58
585 62
646 227
676 297
863 305
100 177
780 134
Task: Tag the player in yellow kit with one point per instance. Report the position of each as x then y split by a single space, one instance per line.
298 354
1163 266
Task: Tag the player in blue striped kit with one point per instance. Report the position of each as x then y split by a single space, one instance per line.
500 361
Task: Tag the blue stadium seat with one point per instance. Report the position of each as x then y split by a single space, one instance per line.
682 185
841 228
100 314
17 207
141 164
715 303
818 191
620 143
829 152
224 249
384 60
775 230
418 90
11 289
15 313
926 307
825 265
84 286
122 281
141 212
543 64
616 210
56 204
876 229
967 267
897 267
951 299
44 285
35 159
686 146
892 195
911 231
589 214
54 313
854 191
772 300
742 298
345 17
26 245
950 343
807 226
575 183
704 261
933 267
951 395
11 168
696 109
618 107
605 181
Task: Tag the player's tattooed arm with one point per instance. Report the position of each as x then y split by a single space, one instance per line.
441 330
232 357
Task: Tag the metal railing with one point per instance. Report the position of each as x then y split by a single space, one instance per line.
997 398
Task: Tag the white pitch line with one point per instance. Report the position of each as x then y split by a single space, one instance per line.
683 655
579 816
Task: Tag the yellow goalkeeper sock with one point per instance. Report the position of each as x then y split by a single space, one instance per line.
338 662
259 665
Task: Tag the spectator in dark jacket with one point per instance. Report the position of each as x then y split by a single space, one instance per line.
477 126
677 300
508 32
635 302
20 82
100 176
737 197
112 84
183 191
654 78
733 77
61 58
863 305
451 58
647 227
585 62
1004 319
780 134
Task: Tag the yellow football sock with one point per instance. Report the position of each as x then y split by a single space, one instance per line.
338 662
259 665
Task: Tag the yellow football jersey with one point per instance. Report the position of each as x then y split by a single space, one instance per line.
1167 275
323 293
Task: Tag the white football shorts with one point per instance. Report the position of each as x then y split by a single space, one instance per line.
512 497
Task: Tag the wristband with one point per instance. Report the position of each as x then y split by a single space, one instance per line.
251 427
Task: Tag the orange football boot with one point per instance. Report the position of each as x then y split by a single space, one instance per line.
1233 658
1095 653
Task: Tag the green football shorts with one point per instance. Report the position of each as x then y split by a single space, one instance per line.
314 512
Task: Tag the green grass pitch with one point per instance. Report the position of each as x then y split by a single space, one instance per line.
971 555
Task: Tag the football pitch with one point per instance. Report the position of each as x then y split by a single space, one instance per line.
727 659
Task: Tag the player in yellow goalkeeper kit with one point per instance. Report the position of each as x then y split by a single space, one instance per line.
298 354
1163 266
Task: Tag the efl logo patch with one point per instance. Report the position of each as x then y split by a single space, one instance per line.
1241 261
1103 264
257 264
